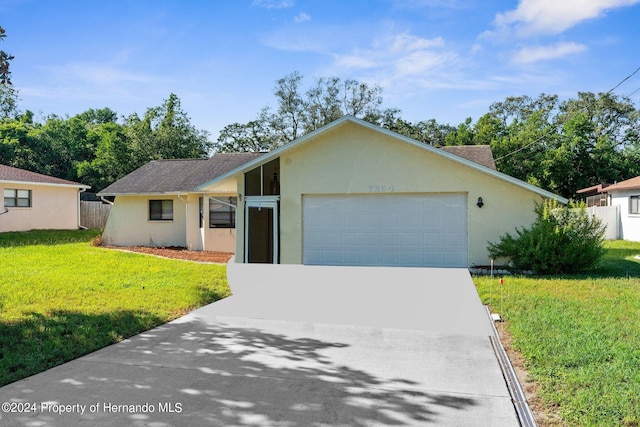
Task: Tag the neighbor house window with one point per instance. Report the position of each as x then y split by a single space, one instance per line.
160 210
221 215
634 204
17 198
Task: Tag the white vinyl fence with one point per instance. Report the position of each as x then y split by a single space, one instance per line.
609 215
94 214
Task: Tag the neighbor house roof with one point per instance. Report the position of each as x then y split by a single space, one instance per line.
594 189
350 119
175 176
629 184
480 154
16 175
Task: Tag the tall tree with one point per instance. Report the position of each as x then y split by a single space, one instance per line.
5 58
165 132
301 112
113 158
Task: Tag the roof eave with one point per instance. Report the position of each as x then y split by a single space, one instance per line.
86 187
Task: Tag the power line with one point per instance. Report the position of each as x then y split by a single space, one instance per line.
586 107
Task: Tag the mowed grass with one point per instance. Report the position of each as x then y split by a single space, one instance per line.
579 336
61 297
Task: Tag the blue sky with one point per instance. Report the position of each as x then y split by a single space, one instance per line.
439 59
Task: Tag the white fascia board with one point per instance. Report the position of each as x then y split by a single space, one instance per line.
277 152
80 186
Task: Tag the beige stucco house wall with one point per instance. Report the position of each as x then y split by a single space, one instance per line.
354 158
129 223
53 207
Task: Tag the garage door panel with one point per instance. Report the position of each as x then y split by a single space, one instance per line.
411 230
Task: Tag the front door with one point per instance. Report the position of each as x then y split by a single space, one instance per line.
261 230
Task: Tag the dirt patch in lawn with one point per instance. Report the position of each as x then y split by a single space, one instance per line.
544 417
179 253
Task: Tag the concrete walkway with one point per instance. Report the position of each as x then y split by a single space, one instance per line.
294 346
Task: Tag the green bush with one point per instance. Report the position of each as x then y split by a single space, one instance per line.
563 239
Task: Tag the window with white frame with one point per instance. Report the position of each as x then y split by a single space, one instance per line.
160 210
17 198
634 205
222 215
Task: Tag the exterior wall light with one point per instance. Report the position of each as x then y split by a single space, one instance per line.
480 203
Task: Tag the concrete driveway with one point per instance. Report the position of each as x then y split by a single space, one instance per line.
294 346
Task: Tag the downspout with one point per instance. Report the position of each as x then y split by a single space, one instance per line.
186 220
80 226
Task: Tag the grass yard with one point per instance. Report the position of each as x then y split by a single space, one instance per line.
61 297
579 337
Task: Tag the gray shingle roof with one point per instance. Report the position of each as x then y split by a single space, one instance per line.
480 154
168 176
8 173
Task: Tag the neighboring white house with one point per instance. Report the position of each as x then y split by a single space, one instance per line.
34 201
626 195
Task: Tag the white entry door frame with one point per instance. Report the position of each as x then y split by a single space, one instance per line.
262 220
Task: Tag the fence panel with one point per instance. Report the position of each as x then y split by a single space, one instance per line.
609 215
94 214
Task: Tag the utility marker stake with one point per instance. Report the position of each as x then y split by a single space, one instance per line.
501 295
491 283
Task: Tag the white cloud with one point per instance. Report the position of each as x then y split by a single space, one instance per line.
273 4
401 61
528 55
404 53
302 17
555 16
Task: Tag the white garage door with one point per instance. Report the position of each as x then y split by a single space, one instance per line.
424 230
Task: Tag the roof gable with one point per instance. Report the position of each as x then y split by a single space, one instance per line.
11 174
175 176
308 138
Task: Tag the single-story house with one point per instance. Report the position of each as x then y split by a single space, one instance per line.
626 195
34 201
349 193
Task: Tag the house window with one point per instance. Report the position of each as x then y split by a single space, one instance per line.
634 205
160 210
222 215
17 198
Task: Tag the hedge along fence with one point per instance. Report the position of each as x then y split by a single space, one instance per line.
94 215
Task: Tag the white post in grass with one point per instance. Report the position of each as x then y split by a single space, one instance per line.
491 283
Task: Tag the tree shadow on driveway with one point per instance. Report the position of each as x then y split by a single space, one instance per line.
234 375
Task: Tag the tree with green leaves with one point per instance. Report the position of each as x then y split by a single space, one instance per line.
112 158
5 58
299 112
165 132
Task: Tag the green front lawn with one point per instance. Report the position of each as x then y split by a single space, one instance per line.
61 297
579 336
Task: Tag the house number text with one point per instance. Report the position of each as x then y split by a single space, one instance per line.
381 188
